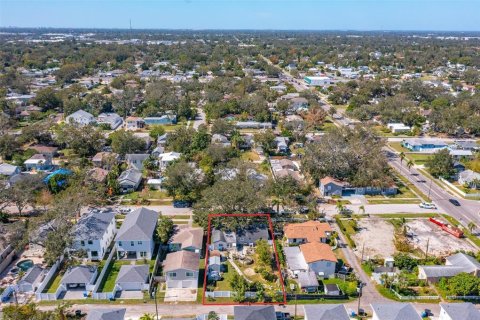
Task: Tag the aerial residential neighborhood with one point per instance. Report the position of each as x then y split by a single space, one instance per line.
239 160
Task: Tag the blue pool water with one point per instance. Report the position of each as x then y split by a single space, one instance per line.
25 264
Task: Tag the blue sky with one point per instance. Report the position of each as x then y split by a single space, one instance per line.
454 15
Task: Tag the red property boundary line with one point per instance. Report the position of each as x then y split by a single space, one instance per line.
270 226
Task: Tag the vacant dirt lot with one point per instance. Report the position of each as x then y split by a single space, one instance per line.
377 235
440 243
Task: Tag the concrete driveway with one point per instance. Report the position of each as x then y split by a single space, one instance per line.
130 295
180 294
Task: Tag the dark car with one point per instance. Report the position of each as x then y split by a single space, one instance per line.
181 204
454 202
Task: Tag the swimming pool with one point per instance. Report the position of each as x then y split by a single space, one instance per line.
25 264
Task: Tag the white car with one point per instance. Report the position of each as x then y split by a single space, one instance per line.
427 205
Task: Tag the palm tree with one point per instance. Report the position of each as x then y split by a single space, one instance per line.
402 156
471 226
409 164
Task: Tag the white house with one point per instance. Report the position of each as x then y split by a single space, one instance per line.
111 119
458 311
94 232
32 279
181 269
135 237
165 159
398 127
133 277
9 170
469 178
81 118
38 162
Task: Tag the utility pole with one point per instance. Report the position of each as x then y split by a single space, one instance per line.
426 251
363 250
360 287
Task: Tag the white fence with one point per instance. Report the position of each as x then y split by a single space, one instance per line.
104 271
50 274
227 294
460 192
399 296
106 295
463 297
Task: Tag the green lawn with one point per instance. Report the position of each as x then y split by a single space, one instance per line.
54 283
418 158
397 146
146 194
108 282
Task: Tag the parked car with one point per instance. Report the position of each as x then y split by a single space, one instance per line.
427 205
454 202
125 210
181 204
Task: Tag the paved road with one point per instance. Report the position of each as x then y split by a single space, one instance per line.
380 209
469 209
200 118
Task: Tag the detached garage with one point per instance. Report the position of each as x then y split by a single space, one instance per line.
133 277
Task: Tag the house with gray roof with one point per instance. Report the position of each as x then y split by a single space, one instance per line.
226 239
325 312
254 313
79 277
136 160
181 269
133 277
129 180
32 279
110 119
9 170
106 314
308 281
94 232
190 239
469 178
454 265
81 118
394 311
458 311
135 237
295 261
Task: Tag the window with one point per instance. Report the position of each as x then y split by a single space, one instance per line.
90 242
82 243
328 264
132 243
139 242
119 243
143 254
189 274
172 274
94 253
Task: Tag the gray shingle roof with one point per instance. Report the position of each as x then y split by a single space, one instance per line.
468 263
461 311
395 311
106 314
326 312
307 279
138 225
188 237
131 175
254 313
79 274
295 258
7 169
181 260
92 226
133 273
32 275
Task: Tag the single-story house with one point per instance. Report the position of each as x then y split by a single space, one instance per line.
129 180
81 118
7 254
458 311
454 264
220 140
32 279
155 183
38 162
459 154
47 151
136 160
97 174
254 313
135 237
465 145
333 187
296 263
469 178
222 240
166 158
282 144
94 232
309 231
331 289
394 311
308 281
398 127
79 277
189 239
110 119
214 267
167 119
105 159
106 314
325 312
459 167
9 170
181 269
382 270
253 125
133 277
134 123
319 257
419 145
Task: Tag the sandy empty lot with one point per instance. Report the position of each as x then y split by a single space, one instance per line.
377 235
441 243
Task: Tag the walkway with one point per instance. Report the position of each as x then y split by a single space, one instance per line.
232 262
